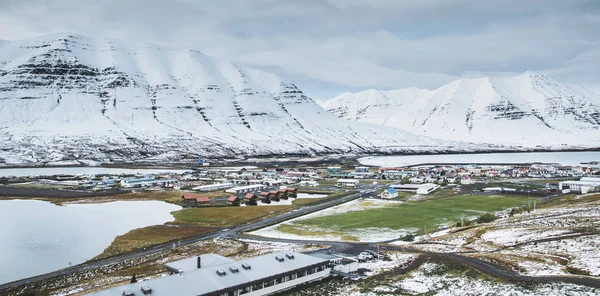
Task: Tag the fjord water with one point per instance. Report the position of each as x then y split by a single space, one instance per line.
564 158
49 171
37 237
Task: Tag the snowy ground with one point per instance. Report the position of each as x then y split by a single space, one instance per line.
553 241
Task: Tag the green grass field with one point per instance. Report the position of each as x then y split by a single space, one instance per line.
226 216
427 214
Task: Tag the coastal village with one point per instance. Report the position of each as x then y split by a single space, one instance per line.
251 186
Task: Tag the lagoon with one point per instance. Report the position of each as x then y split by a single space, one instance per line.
564 158
38 237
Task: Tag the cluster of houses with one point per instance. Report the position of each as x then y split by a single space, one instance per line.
249 198
467 174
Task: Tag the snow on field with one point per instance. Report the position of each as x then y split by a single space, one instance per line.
583 252
425 281
396 260
429 280
364 235
257 248
514 236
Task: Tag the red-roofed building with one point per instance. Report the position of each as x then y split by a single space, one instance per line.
233 200
274 194
282 193
203 200
189 197
250 199
292 192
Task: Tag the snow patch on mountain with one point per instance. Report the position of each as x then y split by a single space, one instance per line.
530 110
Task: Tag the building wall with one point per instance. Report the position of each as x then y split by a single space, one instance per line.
291 283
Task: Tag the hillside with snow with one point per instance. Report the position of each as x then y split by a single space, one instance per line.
70 97
529 110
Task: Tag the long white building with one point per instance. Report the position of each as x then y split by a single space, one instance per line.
246 189
584 185
416 188
211 187
261 275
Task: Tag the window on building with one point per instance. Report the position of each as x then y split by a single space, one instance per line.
279 280
268 283
244 290
257 287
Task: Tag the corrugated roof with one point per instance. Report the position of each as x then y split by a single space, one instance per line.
202 199
206 280
189 196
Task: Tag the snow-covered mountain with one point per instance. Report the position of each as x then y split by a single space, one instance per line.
531 110
68 96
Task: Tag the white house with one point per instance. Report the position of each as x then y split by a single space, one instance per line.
389 193
416 180
348 182
467 181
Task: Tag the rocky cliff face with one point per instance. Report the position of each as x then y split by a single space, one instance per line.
529 110
68 96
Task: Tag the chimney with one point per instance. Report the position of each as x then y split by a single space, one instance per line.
199 261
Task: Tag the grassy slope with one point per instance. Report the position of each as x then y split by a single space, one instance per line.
148 236
225 216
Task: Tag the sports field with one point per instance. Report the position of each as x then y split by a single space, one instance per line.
421 215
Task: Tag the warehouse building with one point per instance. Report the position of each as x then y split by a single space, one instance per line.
246 189
213 187
220 276
584 185
416 188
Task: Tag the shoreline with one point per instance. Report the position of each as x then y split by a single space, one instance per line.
291 159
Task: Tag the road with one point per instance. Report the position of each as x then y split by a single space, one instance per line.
207 236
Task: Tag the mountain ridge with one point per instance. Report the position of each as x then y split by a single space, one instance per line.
531 110
69 97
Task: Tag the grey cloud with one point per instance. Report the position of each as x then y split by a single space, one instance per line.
340 45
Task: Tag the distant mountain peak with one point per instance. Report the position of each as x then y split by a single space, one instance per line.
530 109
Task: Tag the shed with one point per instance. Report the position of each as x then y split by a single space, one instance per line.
233 200
189 197
203 200
250 199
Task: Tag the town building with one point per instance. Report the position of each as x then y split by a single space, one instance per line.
147 182
213 187
348 183
219 276
389 193
233 200
361 169
416 188
584 185
246 189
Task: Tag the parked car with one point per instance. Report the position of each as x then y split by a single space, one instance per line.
373 253
362 257
366 255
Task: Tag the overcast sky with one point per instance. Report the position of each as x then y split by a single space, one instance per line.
328 47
